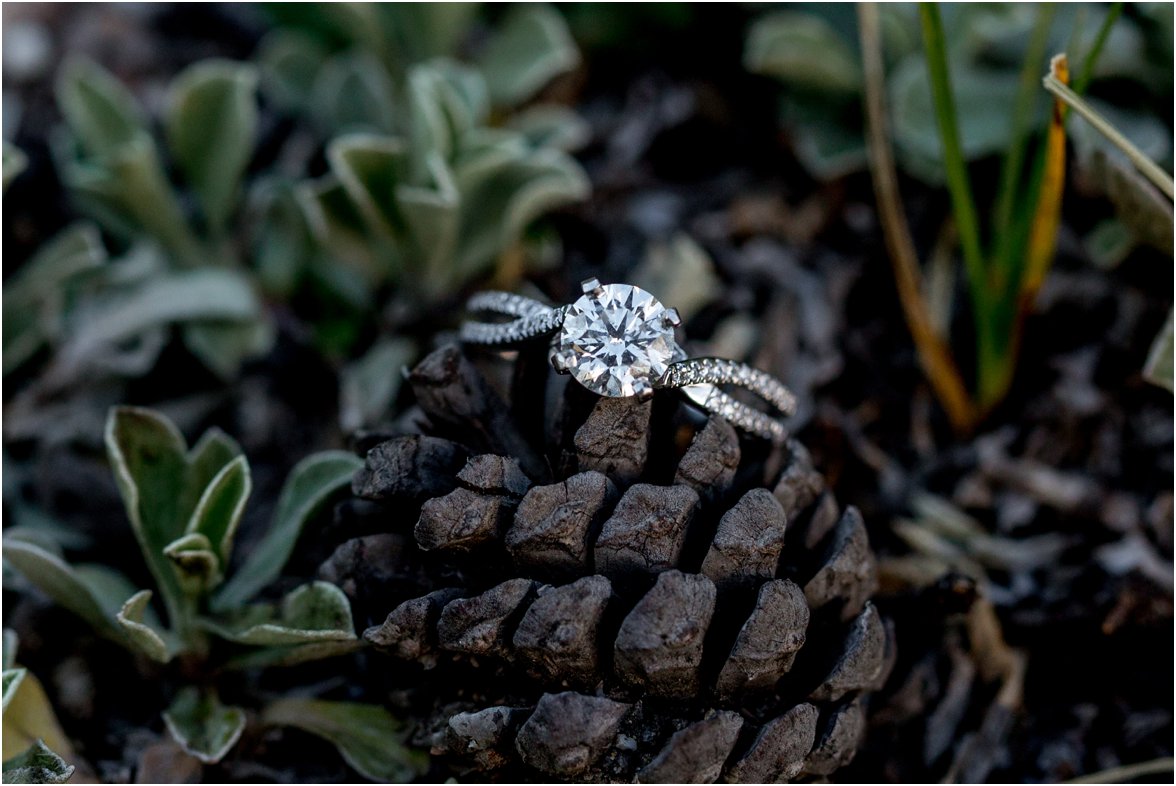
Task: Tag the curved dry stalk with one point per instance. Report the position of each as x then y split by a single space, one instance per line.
1128 772
936 359
1152 171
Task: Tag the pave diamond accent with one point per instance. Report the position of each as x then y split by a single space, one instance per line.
533 319
617 340
699 376
720 371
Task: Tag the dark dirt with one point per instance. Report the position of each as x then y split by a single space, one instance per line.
1066 491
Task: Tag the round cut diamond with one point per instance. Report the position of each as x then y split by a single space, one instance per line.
617 340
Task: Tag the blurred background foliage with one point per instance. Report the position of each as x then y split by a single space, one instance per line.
416 155
965 92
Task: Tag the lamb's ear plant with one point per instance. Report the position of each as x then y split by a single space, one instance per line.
35 748
433 206
345 66
184 506
437 168
116 169
14 163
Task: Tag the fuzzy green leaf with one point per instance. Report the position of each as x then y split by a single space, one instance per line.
353 92
318 611
8 649
551 125
446 102
12 679
432 211
15 162
208 457
35 298
211 295
109 588
61 582
504 187
224 348
218 513
370 167
827 145
37 765
211 123
531 47
982 98
803 50
368 737
100 111
310 485
369 385
129 194
289 61
424 30
293 654
139 632
147 455
282 245
203 726
1158 368
196 562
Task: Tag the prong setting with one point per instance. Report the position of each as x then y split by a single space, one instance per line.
561 363
591 286
643 390
672 318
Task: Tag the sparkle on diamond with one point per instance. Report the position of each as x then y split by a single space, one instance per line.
615 339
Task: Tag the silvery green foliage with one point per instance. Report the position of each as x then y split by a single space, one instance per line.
95 316
37 765
1158 368
367 736
814 52
116 171
424 190
184 505
31 717
433 206
15 162
344 65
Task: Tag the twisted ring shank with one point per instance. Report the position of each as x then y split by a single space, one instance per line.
700 376
532 319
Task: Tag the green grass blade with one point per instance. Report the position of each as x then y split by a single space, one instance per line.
1096 48
1014 162
958 184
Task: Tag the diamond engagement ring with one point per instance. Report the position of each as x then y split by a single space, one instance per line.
617 340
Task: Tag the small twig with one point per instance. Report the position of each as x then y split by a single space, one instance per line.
934 356
1145 165
1127 772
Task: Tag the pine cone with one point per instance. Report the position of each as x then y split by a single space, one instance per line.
635 614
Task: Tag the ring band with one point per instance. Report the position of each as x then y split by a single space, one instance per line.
618 341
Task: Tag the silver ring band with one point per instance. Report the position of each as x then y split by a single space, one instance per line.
532 319
618 341
699 377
